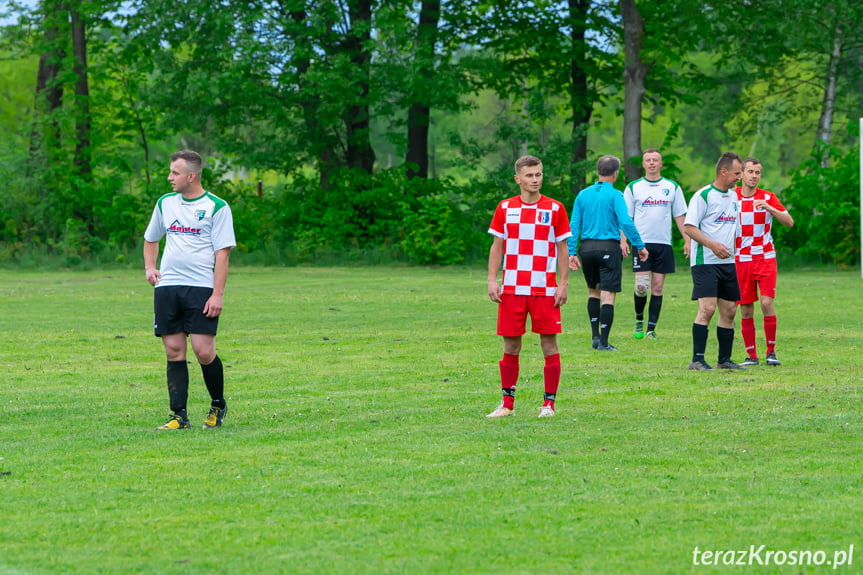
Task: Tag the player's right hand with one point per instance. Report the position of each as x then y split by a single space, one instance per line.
153 276
494 291
574 264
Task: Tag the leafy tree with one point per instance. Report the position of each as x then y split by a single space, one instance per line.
828 47
825 203
544 47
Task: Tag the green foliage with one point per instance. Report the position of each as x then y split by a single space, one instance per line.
434 228
284 93
825 205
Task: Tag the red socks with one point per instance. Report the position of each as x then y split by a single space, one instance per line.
508 378
551 377
747 329
770 332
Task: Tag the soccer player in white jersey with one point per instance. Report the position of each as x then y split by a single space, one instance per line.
530 232
755 259
653 202
711 222
190 283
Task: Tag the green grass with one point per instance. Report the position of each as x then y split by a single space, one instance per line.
356 440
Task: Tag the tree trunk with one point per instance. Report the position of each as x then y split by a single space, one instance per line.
828 104
311 104
360 152
419 114
634 73
82 160
580 103
49 91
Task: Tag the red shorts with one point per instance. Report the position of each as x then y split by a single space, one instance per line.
512 314
755 276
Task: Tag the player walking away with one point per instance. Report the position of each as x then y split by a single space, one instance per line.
598 216
756 258
190 283
711 222
529 231
652 203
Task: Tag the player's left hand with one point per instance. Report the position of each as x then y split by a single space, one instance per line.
213 307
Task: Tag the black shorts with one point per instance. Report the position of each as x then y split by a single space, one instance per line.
601 263
181 309
715 280
660 260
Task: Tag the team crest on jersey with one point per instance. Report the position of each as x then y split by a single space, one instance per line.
666 190
200 214
543 217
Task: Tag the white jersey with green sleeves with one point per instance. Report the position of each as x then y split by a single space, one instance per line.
195 230
714 212
652 205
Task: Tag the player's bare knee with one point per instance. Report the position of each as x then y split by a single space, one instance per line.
205 356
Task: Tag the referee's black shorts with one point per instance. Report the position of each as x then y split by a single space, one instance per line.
601 263
181 309
715 280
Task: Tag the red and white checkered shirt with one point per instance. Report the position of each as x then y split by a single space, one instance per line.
530 233
754 241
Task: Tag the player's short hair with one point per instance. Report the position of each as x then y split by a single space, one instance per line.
726 160
651 151
607 165
751 160
193 161
525 162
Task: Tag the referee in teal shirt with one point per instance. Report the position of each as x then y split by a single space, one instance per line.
598 215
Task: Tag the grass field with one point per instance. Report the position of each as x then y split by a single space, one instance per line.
356 440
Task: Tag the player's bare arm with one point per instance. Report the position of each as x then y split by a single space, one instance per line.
495 257
213 307
151 254
721 251
687 242
560 296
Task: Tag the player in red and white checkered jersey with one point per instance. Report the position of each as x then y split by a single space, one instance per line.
529 230
755 258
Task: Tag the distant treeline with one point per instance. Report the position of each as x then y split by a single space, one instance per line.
387 130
